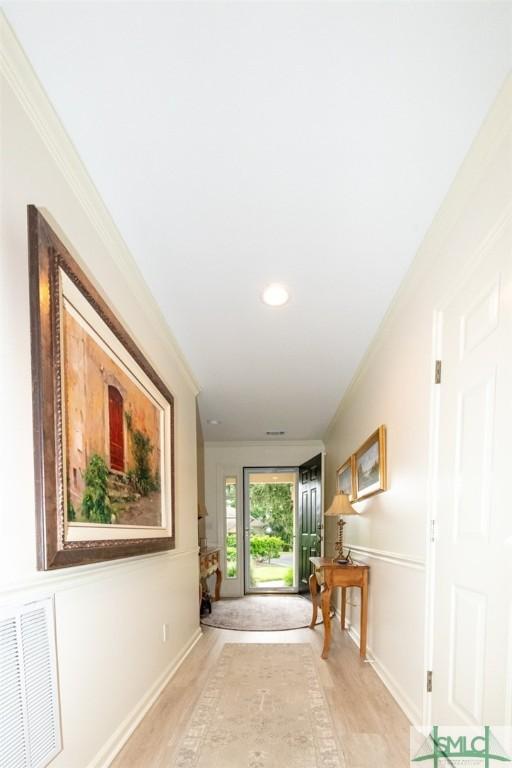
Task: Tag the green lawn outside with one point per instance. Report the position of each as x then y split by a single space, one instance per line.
262 573
267 573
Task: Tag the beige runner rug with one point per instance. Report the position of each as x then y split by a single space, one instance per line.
262 707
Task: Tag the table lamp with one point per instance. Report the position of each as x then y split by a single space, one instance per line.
340 506
201 510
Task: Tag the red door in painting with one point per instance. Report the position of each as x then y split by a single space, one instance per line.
115 419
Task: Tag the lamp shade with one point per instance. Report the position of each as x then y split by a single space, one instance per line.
201 510
340 506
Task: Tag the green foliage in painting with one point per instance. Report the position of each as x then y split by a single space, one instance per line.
141 478
272 503
71 511
96 505
266 547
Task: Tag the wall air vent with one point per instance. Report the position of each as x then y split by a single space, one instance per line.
275 432
29 710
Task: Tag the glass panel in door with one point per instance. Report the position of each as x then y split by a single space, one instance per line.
231 528
270 527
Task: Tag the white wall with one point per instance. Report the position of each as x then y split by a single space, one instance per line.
223 459
109 617
394 386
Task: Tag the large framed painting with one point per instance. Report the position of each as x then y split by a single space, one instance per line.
370 465
103 420
345 478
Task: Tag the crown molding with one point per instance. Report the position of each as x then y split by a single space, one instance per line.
19 74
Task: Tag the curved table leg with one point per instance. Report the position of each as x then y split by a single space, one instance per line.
326 606
313 589
218 582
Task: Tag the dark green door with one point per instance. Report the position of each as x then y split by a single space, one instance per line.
310 517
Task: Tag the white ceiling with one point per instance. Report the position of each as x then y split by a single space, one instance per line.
241 143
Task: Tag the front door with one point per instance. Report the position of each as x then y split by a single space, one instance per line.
472 660
116 431
270 505
310 517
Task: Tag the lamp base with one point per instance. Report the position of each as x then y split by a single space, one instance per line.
342 559
338 547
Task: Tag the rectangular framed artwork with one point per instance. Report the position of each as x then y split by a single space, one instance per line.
345 478
370 465
103 420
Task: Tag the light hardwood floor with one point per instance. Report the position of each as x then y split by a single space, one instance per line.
371 729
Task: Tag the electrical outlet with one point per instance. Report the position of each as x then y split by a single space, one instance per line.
165 632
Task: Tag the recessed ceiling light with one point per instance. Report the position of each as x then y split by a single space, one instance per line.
213 421
275 295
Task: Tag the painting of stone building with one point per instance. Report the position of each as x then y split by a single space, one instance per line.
113 436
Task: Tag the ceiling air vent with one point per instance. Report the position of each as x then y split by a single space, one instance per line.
29 712
275 432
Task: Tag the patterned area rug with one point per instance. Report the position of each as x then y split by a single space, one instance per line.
250 716
261 613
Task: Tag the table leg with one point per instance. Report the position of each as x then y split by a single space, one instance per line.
364 614
343 606
218 582
313 589
326 609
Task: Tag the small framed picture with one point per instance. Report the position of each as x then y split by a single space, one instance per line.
370 465
345 478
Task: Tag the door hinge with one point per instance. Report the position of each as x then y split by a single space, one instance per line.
429 681
438 371
432 530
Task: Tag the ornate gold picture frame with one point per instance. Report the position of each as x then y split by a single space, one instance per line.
370 465
103 420
346 478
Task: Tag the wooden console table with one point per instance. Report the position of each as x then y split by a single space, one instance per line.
338 575
209 563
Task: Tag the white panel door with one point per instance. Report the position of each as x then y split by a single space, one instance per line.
473 589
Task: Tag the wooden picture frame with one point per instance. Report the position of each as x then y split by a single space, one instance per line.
370 465
346 478
63 301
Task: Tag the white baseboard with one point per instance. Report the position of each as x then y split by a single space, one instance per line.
412 713
113 746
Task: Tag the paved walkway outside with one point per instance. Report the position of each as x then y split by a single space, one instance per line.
285 559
